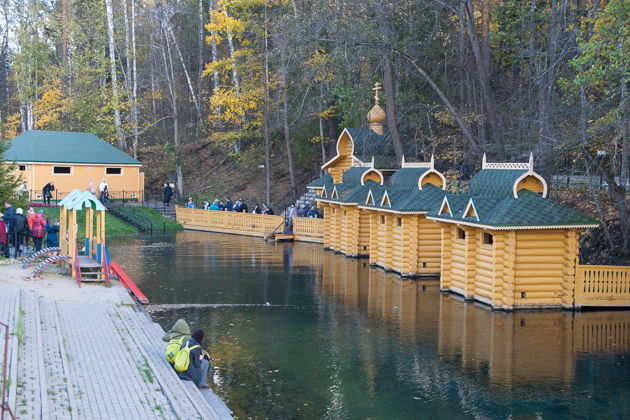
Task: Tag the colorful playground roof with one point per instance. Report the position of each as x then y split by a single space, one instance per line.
65 147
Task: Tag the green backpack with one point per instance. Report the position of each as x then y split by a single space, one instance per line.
182 359
173 348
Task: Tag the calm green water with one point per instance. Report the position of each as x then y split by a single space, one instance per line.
340 340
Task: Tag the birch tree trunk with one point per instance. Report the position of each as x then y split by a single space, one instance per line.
112 67
266 124
191 89
321 122
623 121
169 73
213 52
390 106
134 77
235 76
285 121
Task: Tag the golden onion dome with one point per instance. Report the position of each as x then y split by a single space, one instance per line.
376 115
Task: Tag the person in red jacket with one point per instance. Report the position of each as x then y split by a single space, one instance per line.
39 229
4 242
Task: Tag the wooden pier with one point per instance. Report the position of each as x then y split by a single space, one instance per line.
81 359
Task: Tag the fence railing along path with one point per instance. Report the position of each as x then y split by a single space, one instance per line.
304 229
308 229
602 285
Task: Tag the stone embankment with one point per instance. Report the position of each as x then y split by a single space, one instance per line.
89 353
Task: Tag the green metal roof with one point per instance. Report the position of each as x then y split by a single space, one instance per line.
426 199
368 145
495 182
353 175
407 177
321 181
529 209
65 147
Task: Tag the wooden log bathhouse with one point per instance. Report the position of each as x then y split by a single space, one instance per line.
503 242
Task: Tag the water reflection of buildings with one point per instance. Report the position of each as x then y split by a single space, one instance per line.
513 348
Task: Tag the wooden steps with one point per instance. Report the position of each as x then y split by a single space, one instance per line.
283 237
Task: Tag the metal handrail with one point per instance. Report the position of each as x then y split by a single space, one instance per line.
4 407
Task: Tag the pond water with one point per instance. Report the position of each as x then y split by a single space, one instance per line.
303 333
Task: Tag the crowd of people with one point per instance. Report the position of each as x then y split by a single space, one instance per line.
21 231
47 191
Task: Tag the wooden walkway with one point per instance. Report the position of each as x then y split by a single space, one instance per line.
93 360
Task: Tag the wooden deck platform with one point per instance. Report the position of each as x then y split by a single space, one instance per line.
96 360
283 237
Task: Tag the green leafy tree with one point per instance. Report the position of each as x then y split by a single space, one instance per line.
8 181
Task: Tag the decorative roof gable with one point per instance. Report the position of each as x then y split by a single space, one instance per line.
470 211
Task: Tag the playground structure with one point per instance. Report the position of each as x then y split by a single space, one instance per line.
39 254
95 263
94 236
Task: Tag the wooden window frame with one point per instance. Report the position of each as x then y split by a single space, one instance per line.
487 239
60 173
459 233
122 171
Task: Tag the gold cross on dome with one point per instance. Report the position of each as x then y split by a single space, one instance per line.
376 88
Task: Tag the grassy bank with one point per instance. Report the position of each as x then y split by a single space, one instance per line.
152 216
113 225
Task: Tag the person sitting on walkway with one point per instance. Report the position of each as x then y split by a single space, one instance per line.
198 363
206 204
52 233
215 205
38 228
256 210
244 208
190 204
4 239
229 206
221 206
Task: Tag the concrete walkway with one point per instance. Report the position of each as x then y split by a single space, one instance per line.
72 359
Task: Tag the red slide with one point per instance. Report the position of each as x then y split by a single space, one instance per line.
127 283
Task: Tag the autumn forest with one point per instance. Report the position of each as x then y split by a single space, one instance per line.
248 96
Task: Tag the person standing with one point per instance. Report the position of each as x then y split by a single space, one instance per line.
47 192
191 203
4 239
229 206
103 189
39 229
18 230
244 208
90 186
52 233
8 217
167 194
23 189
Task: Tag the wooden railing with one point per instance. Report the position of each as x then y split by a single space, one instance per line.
229 222
308 229
602 285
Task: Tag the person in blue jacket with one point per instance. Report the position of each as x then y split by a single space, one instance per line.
52 233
